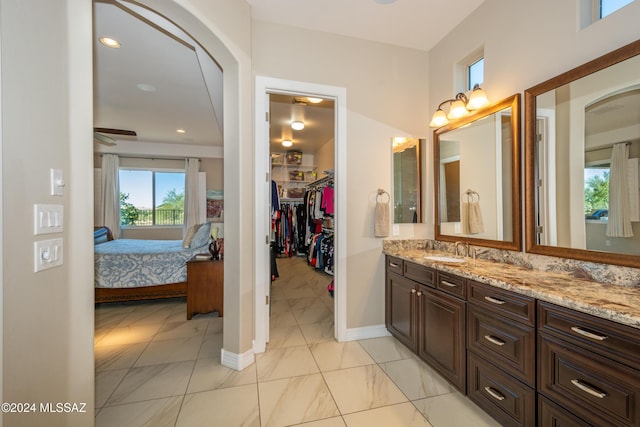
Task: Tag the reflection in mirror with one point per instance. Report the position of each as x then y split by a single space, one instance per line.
582 142
477 177
407 180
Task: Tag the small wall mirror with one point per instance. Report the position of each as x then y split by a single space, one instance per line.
477 177
407 180
582 161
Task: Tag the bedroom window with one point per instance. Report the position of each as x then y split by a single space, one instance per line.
151 198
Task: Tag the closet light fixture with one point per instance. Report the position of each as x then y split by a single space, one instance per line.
109 42
287 143
181 131
297 125
314 100
459 107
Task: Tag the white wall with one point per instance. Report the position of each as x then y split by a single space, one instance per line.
386 97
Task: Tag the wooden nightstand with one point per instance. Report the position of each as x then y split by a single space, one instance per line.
205 286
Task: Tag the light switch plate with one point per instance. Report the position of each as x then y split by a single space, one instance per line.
57 182
48 219
47 254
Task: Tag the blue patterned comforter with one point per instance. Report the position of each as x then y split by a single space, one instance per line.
129 263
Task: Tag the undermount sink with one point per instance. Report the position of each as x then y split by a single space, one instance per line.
444 258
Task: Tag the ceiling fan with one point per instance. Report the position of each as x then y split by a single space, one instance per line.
100 137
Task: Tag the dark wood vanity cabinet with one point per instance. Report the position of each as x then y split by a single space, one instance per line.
589 366
429 321
501 354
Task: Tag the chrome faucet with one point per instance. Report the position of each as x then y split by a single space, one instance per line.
465 245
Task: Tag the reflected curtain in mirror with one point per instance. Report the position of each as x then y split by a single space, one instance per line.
407 180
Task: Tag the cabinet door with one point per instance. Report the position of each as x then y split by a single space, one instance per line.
442 334
400 317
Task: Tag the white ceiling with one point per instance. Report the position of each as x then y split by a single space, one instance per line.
188 84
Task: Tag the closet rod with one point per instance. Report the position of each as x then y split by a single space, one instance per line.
320 181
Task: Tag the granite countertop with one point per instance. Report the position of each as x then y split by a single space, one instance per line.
613 302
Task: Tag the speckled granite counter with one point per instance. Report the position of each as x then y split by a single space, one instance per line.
613 302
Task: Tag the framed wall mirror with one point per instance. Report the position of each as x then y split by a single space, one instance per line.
477 177
582 161
407 180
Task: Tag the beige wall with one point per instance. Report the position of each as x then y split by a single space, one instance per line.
386 96
325 157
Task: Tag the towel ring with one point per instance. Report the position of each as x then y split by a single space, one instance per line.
471 195
381 192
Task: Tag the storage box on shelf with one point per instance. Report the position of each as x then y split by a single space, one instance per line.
292 173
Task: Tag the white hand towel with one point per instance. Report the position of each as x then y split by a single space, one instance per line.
472 218
381 220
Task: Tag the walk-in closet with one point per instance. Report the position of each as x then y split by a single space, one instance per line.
302 147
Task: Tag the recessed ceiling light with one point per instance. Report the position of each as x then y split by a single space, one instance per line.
287 143
385 1
297 125
109 42
181 131
146 87
314 100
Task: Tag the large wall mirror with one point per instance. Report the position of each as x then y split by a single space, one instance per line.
582 161
407 180
477 177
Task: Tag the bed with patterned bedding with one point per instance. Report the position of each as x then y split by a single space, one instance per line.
129 269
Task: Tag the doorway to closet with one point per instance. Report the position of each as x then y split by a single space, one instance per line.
298 172
302 223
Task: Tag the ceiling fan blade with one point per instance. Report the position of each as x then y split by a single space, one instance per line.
115 131
103 139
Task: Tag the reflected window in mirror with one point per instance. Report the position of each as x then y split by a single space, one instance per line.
582 155
407 180
477 177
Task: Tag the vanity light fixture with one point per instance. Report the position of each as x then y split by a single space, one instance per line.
287 143
459 107
297 125
109 42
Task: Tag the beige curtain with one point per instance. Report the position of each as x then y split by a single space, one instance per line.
619 223
191 188
110 203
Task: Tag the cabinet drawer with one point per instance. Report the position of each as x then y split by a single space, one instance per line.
451 284
419 273
506 303
509 344
550 414
395 264
594 388
503 397
610 339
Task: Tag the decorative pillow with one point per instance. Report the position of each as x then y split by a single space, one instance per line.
202 235
186 242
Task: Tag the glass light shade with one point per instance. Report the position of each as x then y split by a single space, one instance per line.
457 110
287 143
439 119
297 125
109 42
314 100
477 99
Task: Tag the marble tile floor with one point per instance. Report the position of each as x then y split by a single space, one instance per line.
155 368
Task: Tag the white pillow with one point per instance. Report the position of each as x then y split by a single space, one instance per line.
186 242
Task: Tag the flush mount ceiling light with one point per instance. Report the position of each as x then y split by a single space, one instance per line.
314 100
181 131
459 107
109 42
385 1
287 143
297 125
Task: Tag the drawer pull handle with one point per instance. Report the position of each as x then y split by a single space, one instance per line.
495 300
494 393
588 334
449 284
394 265
590 390
494 340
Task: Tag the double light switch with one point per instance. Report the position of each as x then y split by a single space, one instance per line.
47 219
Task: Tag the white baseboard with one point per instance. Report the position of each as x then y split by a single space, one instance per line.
366 332
237 361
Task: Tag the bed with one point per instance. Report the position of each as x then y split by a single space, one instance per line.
129 269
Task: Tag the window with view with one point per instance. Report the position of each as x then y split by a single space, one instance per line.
596 192
607 7
475 73
149 197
